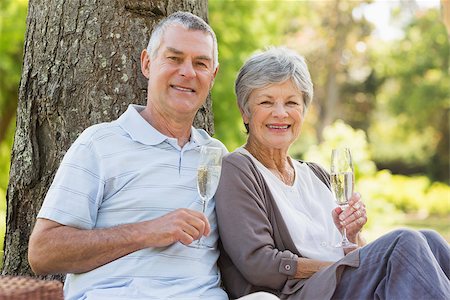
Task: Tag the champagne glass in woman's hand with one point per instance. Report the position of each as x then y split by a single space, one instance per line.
342 181
208 173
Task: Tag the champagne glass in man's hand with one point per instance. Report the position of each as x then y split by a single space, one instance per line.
208 173
342 181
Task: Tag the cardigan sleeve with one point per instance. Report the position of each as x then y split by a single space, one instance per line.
245 227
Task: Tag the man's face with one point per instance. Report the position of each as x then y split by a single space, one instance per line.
182 72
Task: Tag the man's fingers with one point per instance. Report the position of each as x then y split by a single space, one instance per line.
194 223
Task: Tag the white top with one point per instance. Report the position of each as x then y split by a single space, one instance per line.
123 172
306 209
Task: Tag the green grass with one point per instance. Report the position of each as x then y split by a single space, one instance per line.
413 221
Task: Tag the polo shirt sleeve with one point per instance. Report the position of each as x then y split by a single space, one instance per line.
77 189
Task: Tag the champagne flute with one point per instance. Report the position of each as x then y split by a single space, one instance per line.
342 182
208 173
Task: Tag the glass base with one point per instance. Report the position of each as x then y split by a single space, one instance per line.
199 244
345 244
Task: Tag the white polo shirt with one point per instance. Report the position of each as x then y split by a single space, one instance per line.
123 172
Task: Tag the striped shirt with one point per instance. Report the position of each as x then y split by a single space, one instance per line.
123 172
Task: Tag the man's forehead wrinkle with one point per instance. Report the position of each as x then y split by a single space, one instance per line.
177 51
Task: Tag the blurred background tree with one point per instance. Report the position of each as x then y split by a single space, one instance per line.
383 93
413 104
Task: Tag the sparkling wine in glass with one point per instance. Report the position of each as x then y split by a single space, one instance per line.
208 173
342 182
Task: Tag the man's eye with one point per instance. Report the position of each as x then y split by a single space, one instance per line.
173 58
265 103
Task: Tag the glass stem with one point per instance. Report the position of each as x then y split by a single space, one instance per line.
203 205
199 243
344 234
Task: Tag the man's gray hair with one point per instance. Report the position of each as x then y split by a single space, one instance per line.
188 21
274 65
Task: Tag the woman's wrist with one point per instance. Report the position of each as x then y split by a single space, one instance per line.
357 239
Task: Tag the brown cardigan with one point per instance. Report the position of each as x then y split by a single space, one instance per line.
257 251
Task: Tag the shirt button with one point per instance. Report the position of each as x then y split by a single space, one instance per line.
323 244
287 267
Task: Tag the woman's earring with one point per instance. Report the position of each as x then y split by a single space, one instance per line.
246 127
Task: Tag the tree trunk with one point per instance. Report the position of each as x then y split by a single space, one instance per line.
81 67
327 112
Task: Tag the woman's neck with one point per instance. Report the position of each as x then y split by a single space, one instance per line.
276 160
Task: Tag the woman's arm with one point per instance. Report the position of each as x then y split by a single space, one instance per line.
245 227
306 267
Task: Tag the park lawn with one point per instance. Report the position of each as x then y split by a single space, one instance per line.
413 221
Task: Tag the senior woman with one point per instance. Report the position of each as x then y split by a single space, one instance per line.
277 217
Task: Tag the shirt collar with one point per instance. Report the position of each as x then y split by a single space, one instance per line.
141 131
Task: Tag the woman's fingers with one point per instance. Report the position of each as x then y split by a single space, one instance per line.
355 214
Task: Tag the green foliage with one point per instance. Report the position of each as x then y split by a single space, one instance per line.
342 135
242 27
419 64
408 194
12 29
390 138
416 92
437 199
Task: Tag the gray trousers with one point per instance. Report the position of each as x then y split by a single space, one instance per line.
403 264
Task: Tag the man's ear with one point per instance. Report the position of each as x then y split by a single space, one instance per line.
145 63
214 76
216 70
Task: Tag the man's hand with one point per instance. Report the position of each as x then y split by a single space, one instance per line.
182 225
354 217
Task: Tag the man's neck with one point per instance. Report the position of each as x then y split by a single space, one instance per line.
179 128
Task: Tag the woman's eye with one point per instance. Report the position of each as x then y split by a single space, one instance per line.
293 103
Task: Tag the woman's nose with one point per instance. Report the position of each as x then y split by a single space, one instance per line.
279 110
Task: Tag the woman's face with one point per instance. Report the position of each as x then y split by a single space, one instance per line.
275 115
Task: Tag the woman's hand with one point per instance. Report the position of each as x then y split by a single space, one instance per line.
354 217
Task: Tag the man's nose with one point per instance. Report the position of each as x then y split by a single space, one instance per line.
187 69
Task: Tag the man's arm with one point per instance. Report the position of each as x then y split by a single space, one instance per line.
56 249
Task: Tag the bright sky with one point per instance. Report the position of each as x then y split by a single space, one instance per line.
378 13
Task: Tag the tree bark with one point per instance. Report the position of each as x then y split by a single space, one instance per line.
81 67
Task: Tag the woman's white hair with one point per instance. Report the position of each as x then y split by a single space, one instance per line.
274 65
